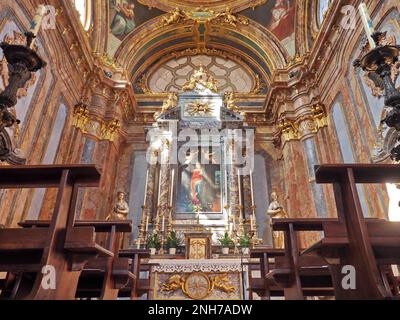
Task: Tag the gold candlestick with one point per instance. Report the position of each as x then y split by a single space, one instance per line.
241 227
142 228
157 224
170 222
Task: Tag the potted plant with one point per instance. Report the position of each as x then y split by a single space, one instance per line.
153 243
173 242
226 242
245 243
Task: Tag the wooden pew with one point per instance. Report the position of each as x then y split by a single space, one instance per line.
359 252
24 252
300 276
385 241
101 277
263 286
136 286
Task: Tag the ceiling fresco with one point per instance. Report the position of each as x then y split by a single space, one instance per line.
216 5
125 16
278 16
159 41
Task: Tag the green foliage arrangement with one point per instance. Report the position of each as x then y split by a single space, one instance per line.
153 241
245 241
173 241
226 241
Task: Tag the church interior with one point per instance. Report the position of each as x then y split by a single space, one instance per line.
199 150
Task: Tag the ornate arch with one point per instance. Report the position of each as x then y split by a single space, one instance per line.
252 45
216 5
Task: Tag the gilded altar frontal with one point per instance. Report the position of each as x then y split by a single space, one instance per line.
201 150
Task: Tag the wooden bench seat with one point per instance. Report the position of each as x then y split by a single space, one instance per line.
107 274
136 286
369 245
23 240
298 275
384 237
266 257
24 252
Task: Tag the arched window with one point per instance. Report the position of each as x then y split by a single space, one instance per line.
323 6
84 8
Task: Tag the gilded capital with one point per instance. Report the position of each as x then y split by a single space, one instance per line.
108 129
80 117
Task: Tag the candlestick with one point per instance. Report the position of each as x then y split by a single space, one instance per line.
37 20
145 188
147 222
367 22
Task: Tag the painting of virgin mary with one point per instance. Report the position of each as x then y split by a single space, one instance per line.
199 188
196 184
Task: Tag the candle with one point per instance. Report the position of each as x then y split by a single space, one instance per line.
240 188
172 188
367 22
251 188
138 244
37 19
147 223
159 188
226 173
145 188
226 183
163 223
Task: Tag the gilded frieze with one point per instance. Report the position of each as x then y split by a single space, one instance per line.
202 15
197 286
215 5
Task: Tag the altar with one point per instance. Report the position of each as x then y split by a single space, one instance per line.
199 198
211 279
